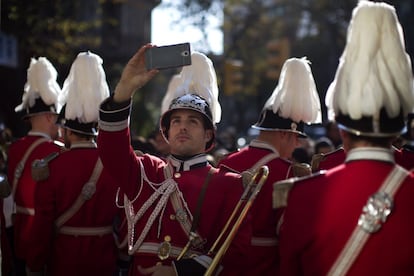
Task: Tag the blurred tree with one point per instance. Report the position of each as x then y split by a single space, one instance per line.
233 77
59 30
56 29
315 28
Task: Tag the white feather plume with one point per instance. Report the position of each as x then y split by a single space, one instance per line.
85 88
199 78
296 97
374 70
41 82
170 94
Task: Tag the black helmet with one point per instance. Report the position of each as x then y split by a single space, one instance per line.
190 102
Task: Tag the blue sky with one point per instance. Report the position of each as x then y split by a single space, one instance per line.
164 32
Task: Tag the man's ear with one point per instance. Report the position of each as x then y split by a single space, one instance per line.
68 132
51 117
208 135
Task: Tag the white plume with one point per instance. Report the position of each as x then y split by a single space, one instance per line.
170 94
41 82
296 97
200 78
374 70
85 88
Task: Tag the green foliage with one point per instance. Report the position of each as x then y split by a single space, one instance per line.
56 29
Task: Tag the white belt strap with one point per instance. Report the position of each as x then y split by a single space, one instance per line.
25 211
87 192
265 159
20 166
264 241
85 231
248 174
369 224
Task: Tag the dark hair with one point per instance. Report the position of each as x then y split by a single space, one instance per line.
323 142
83 135
384 142
300 155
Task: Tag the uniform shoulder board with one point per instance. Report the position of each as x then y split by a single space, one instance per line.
334 151
316 161
301 169
246 175
40 167
227 168
282 188
319 157
231 152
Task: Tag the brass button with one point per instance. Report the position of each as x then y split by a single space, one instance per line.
177 175
172 217
167 238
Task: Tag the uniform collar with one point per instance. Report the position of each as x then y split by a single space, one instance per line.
83 145
255 143
38 133
368 153
197 161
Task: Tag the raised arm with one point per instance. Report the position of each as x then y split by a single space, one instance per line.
134 76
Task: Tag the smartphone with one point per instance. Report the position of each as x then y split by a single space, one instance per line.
169 56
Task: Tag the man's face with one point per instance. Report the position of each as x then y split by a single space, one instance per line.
187 135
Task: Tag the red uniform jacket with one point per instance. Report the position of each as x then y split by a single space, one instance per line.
24 196
405 157
326 161
142 176
68 254
323 211
264 258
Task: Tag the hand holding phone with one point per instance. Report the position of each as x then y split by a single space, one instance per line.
169 56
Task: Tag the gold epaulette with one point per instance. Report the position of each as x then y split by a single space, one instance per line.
301 169
319 157
282 188
40 167
316 160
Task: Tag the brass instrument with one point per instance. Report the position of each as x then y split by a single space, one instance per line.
249 195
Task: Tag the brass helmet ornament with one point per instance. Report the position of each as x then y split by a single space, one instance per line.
195 88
